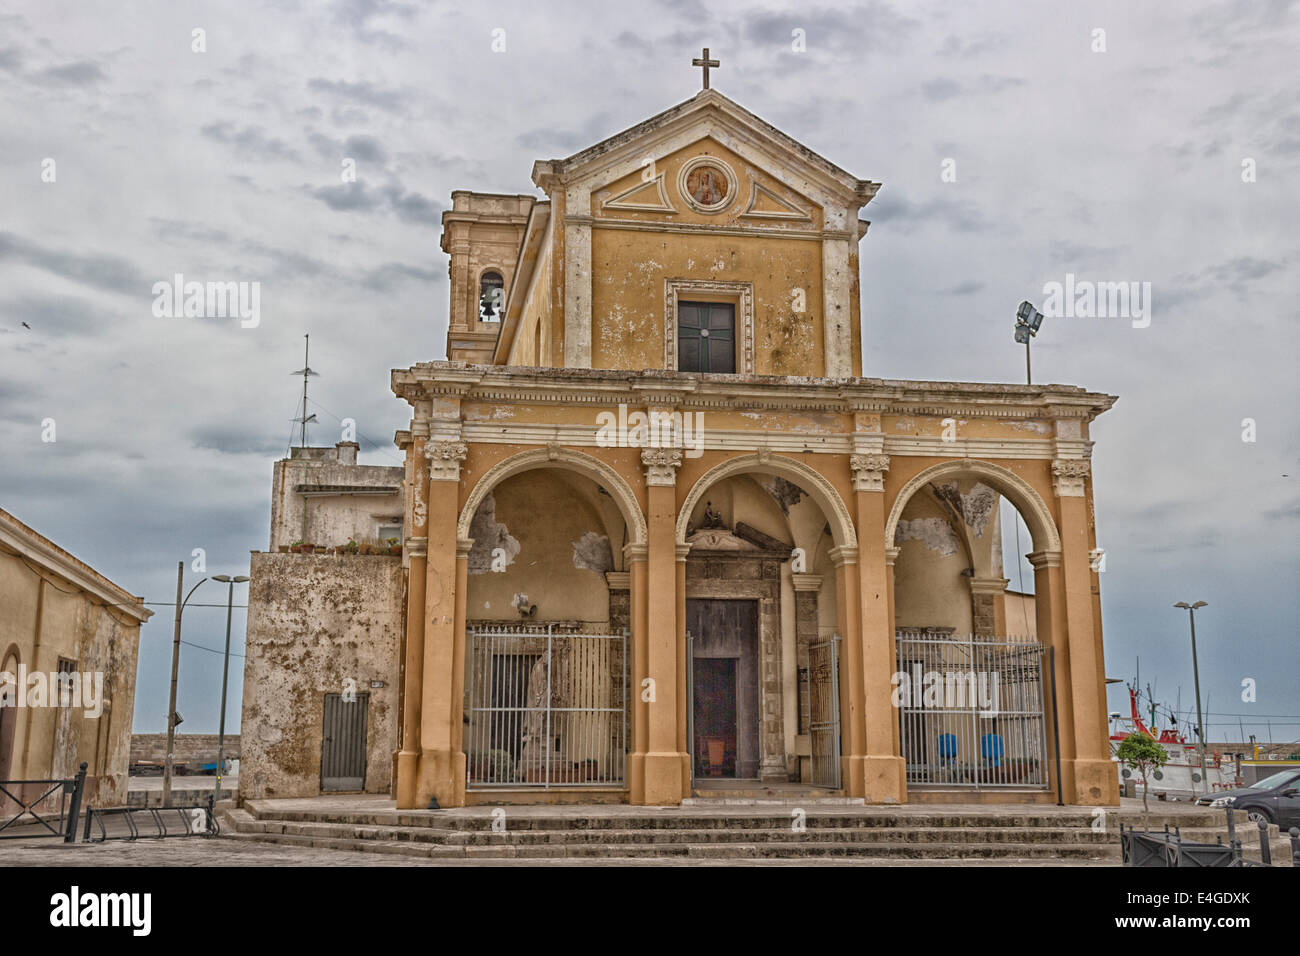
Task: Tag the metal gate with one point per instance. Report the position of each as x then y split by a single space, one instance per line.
343 743
823 692
971 711
547 707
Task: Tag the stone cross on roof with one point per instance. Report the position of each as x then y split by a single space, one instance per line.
705 62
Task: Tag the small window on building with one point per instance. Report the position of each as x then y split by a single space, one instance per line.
64 680
387 531
706 337
491 297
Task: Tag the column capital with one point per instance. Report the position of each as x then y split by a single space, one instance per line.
988 585
682 550
806 582
633 553
1044 559
463 548
445 458
661 465
1068 475
891 555
417 547
843 554
869 472
618 580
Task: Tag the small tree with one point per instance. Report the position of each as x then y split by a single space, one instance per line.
1144 755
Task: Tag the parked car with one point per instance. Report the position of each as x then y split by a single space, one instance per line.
1275 799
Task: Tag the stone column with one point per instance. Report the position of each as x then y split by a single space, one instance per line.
417 551
663 783
1049 613
807 588
1095 782
891 555
442 763
883 770
983 602
852 727
634 559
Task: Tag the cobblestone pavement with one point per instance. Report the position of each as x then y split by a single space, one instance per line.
197 851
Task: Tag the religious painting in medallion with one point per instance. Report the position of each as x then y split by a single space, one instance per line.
707 185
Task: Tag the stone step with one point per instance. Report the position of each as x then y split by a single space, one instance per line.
734 851
964 836
755 800
692 818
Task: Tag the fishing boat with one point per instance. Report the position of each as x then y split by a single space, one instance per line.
1182 777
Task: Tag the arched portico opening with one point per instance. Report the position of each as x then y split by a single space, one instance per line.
547 535
972 678
766 542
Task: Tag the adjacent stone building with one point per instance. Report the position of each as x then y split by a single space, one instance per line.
64 625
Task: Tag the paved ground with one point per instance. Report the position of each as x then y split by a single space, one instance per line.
196 851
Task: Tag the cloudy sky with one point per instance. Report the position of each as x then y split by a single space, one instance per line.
1123 164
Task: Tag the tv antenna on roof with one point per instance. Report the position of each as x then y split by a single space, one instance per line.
305 372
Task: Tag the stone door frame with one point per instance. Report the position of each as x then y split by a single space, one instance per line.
760 582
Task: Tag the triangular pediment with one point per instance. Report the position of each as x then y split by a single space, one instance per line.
709 115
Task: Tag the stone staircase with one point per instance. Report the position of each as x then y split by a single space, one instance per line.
798 830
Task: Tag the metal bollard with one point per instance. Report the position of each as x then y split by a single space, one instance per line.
1265 852
74 806
1295 846
1232 827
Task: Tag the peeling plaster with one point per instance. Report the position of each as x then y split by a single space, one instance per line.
975 508
1028 425
786 493
591 552
488 535
934 533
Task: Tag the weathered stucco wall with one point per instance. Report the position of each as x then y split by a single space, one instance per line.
314 623
366 498
555 547
44 619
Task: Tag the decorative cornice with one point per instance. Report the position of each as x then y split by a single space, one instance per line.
445 458
1068 475
661 465
869 472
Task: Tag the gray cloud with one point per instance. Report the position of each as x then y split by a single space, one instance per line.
83 73
250 140
107 273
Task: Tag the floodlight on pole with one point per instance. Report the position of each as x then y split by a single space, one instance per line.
1028 322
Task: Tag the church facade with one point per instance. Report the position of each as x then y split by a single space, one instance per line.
662 537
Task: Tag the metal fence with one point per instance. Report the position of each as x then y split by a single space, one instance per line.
971 710
38 802
547 707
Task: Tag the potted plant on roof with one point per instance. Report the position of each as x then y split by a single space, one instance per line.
394 546
350 548
302 547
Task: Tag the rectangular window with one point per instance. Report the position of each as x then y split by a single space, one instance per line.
706 337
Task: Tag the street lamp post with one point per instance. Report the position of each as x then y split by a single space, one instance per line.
225 674
172 716
1196 678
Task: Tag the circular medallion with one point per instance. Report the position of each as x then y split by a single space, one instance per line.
707 184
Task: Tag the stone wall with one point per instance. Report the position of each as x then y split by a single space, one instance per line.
317 625
191 749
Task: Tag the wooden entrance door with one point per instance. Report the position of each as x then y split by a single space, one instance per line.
724 687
